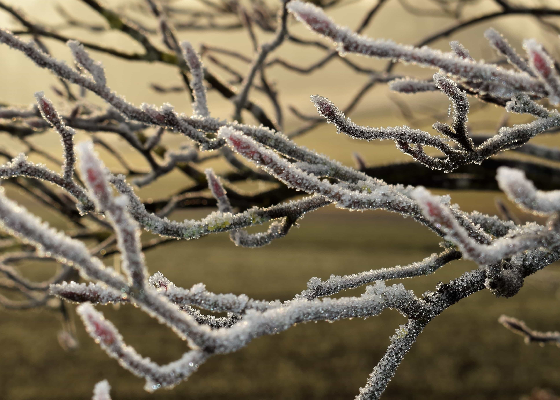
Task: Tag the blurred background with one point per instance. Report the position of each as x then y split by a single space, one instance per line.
463 354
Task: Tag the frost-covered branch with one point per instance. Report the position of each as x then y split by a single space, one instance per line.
317 288
349 42
436 209
67 134
529 334
506 251
543 66
110 340
101 391
241 237
503 47
411 141
200 105
522 191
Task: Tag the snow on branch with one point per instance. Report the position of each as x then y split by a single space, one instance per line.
197 296
20 223
408 140
411 141
399 134
368 197
93 292
401 342
21 166
147 114
214 222
516 135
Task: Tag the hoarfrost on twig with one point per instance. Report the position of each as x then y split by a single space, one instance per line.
522 191
200 105
101 390
506 251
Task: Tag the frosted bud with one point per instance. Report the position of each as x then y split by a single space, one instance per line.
543 66
95 68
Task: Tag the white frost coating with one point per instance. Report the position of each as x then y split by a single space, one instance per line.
411 86
497 41
19 222
66 134
240 236
460 110
514 136
95 68
200 297
371 198
460 50
543 66
314 169
255 324
128 235
200 105
401 342
349 42
440 214
101 391
522 191
21 166
62 70
82 292
165 116
300 168
172 158
522 104
110 340
399 134
317 288
214 222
